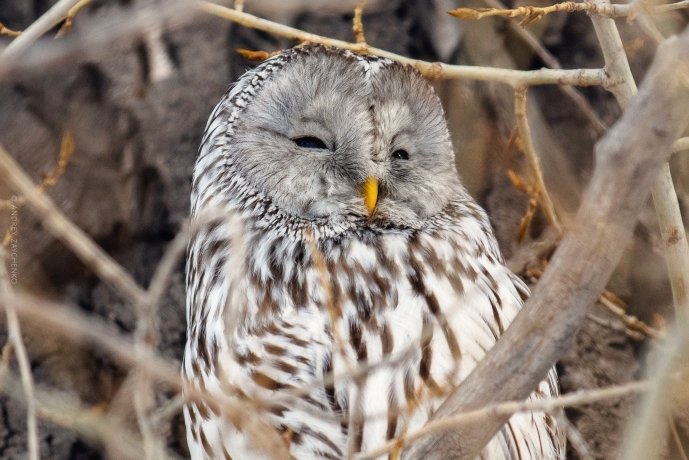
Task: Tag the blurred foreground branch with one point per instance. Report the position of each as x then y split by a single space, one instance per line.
578 398
15 338
56 14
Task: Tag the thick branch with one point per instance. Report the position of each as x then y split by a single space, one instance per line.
629 159
650 428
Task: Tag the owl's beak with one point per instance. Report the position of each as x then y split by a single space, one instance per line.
369 190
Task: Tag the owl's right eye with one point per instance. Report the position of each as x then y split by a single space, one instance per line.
310 142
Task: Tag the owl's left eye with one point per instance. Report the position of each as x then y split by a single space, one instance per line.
400 155
310 142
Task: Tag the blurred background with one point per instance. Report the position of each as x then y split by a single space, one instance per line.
133 83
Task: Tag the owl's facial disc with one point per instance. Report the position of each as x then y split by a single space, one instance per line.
324 138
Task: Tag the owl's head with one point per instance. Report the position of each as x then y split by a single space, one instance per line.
329 134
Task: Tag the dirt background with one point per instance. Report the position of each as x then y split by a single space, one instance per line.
137 103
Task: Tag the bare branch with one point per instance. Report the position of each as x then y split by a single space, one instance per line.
628 160
73 325
532 158
7 32
578 398
15 337
681 145
650 428
551 61
56 14
579 77
534 13
631 322
357 24
575 438
69 18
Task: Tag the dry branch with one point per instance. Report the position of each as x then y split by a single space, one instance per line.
508 408
357 24
15 338
532 158
628 158
56 14
72 236
551 61
78 326
578 77
7 32
681 144
534 13
650 428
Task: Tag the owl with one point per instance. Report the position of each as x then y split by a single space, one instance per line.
342 278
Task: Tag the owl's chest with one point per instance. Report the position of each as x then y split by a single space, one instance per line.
384 296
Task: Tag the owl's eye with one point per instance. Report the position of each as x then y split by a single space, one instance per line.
400 155
310 142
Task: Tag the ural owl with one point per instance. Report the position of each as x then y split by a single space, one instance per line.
356 272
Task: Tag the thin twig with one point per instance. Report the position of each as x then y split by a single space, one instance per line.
616 306
676 439
551 61
579 77
532 158
631 322
72 236
578 398
681 144
51 178
615 326
357 24
7 32
15 337
534 13
73 325
575 438
40 26
69 18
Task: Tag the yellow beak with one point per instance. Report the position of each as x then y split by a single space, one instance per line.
370 192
